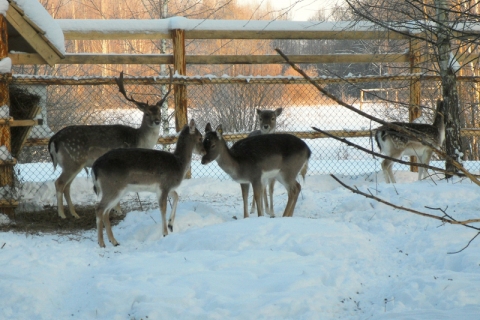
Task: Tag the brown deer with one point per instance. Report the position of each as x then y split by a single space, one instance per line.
255 160
395 144
76 147
134 169
268 124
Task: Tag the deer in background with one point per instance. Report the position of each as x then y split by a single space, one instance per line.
255 160
134 169
76 147
268 124
396 144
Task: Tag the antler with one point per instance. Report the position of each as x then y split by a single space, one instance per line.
121 88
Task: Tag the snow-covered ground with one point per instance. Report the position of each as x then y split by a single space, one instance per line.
341 256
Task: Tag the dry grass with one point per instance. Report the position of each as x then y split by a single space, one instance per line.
48 221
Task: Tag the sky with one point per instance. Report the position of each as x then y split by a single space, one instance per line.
302 10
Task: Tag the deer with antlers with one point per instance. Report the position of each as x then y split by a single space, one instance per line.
76 147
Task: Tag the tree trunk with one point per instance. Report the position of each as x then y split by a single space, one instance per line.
446 64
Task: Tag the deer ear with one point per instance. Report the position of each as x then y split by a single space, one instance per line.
219 131
192 126
259 111
278 111
208 128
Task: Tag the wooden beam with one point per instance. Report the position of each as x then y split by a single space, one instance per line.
22 123
193 80
31 35
96 58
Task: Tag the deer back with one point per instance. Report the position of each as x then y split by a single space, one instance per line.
142 169
251 157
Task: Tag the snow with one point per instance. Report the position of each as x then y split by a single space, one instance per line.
341 256
5 154
3 7
4 112
165 25
6 65
40 16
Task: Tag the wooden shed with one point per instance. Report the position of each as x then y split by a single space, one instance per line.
31 31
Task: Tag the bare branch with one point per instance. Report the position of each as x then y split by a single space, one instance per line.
442 219
401 129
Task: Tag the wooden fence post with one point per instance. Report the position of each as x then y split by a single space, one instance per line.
7 203
180 67
180 90
414 110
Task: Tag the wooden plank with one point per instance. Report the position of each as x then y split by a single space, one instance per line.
96 58
25 123
228 34
92 58
26 58
31 35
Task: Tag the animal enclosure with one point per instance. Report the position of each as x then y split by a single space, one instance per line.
232 102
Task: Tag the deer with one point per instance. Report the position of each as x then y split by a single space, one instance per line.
76 147
396 144
136 169
268 124
255 160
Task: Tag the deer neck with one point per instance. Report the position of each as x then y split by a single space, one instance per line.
147 135
183 151
226 161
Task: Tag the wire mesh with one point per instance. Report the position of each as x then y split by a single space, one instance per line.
233 104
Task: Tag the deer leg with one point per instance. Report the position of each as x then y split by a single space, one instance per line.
174 196
387 171
163 211
69 200
265 200
245 188
100 212
424 159
64 180
110 198
254 207
258 190
293 192
108 228
270 191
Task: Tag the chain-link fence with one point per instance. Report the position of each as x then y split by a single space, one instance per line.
233 103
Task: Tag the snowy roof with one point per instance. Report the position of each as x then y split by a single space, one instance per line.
32 27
